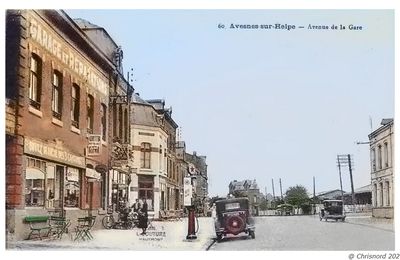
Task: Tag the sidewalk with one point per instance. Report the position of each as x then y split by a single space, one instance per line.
166 235
365 219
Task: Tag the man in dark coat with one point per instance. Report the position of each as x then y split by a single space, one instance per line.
143 217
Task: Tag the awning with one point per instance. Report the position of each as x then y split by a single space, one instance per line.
33 173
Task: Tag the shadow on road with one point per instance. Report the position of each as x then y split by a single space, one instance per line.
232 238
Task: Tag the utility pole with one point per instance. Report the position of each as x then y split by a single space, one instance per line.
346 160
353 198
280 184
340 176
313 186
273 191
314 210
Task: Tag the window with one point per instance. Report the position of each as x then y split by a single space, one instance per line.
386 154
35 88
56 99
34 183
75 98
375 195
114 110
387 194
126 125
72 188
145 154
120 123
381 193
90 111
373 158
379 157
146 190
103 121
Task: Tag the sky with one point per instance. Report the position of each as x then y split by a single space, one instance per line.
264 103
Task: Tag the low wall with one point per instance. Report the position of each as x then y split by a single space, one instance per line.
383 212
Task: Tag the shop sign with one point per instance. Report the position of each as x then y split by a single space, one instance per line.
92 174
72 174
187 191
94 146
93 150
47 151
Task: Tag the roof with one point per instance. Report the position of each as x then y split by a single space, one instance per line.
84 24
363 189
326 192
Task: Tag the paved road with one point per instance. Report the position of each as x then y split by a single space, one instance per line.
308 233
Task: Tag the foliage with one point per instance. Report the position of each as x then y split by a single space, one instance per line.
264 204
297 195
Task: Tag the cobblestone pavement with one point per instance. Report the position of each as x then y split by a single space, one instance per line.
286 233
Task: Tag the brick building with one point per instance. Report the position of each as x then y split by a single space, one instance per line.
58 141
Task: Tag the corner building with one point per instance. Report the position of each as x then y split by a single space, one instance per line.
57 98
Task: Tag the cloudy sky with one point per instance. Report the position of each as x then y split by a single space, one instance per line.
264 103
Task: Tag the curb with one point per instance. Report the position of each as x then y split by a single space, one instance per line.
210 244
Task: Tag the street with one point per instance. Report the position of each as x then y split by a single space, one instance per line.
308 233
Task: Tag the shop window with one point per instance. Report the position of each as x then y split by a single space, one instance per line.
145 155
56 100
75 99
72 188
35 183
146 190
35 78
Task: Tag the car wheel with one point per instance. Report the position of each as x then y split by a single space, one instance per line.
219 237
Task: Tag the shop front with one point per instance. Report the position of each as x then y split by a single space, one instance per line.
52 182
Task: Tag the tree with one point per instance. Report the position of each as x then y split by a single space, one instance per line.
297 195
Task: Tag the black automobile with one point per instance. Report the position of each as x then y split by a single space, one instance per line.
333 209
233 217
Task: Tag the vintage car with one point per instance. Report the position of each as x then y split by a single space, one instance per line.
332 209
233 217
284 210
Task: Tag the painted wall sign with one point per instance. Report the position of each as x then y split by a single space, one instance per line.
47 151
67 55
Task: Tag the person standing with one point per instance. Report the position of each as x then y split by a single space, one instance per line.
143 216
136 206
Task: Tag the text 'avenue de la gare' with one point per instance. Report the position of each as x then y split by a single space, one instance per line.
289 27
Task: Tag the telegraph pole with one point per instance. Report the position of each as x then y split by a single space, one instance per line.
346 160
340 176
273 192
353 197
280 184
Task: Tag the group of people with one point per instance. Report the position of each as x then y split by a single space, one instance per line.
141 208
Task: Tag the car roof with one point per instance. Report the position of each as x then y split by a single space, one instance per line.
333 201
231 200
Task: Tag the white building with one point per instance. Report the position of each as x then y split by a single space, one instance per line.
381 147
149 143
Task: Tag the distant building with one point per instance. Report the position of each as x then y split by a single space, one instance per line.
247 188
381 148
330 195
201 182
